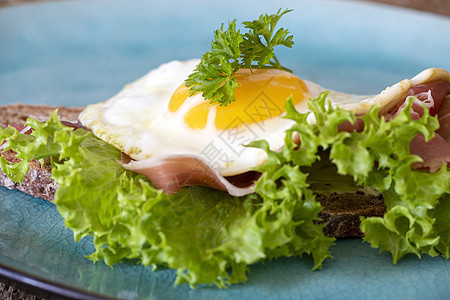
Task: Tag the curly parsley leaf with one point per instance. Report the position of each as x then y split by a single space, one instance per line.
261 51
231 51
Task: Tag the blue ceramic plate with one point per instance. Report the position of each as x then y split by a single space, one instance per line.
79 52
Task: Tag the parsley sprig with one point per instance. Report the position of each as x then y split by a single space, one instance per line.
231 50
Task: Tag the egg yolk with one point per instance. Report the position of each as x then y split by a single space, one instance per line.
261 95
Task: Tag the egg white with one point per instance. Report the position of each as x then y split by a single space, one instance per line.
137 121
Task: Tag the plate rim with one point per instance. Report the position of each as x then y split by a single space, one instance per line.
40 282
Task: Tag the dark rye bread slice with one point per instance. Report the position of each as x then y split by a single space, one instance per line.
341 211
37 182
17 114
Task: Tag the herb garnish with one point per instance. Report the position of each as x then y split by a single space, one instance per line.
231 51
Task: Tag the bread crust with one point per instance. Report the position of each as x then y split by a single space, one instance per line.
17 114
341 211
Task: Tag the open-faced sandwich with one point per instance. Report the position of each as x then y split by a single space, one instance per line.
207 166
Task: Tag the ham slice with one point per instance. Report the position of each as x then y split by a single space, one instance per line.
434 153
435 90
430 95
444 119
435 97
171 172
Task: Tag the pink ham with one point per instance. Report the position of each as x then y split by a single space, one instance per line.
444 119
430 95
349 127
171 172
437 90
436 151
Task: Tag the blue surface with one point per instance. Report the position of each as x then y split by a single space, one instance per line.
80 52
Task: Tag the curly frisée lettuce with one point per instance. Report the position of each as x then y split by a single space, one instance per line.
206 235
210 237
417 217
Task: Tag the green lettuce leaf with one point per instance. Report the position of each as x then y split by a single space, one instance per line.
442 225
378 157
210 237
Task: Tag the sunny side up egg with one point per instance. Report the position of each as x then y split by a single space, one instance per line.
155 116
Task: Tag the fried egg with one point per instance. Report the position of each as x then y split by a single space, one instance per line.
155 115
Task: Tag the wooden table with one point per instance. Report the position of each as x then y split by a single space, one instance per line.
11 290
